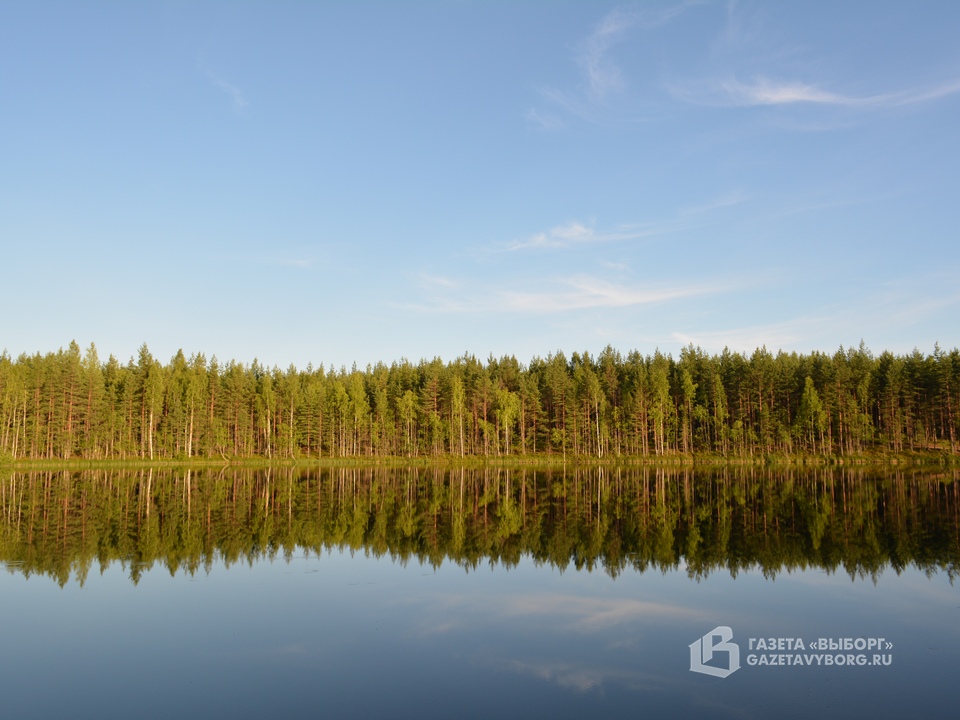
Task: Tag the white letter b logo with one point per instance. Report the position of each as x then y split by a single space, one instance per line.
701 652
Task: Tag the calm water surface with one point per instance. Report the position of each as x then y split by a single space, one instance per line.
402 594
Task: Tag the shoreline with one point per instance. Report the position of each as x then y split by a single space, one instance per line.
916 459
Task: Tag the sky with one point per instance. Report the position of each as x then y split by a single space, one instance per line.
336 183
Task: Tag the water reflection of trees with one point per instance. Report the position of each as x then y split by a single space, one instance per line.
61 524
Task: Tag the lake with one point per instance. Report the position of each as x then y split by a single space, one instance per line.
412 593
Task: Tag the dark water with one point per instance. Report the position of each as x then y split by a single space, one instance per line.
374 593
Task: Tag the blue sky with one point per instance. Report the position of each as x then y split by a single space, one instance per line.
353 182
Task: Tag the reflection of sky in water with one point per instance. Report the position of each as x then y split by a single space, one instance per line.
344 636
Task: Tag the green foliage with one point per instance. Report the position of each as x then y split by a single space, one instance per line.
70 405
61 523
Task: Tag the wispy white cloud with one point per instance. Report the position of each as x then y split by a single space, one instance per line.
600 620
737 27
765 91
910 301
566 675
583 678
591 613
544 119
576 233
426 280
572 613
907 305
920 95
583 292
746 339
610 265
719 203
601 75
576 104
559 295
601 72
559 236
239 99
601 96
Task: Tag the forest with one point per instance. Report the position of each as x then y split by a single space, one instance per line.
62 523
72 405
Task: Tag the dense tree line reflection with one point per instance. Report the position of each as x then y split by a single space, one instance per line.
62 524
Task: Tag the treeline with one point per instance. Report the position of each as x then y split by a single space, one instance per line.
62 523
70 404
